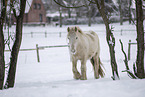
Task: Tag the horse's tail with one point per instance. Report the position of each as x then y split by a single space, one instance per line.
101 67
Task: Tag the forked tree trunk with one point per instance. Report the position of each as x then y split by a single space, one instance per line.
140 40
15 49
14 54
110 38
2 45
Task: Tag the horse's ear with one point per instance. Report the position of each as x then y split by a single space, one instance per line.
79 31
68 29
76 29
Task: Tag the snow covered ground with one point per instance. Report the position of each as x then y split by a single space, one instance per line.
53 77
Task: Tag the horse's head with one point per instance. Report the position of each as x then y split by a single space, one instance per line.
73 37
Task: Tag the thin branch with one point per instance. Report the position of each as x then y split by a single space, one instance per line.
70 6
126 61
12 6
130 74
92 2
28 3
133 21
135 69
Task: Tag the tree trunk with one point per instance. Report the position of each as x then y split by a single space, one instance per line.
14 54
140 40
2 45
60 17
110 38
89 16
129 11
69 10
2 62
15 49
121 13
69 13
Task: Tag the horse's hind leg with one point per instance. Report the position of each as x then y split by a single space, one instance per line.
75 71
83 70
95 62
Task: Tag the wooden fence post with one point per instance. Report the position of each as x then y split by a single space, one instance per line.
37 50
129 47
31 34
45 34
121 31
59 34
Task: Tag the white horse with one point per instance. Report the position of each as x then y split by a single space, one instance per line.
84 46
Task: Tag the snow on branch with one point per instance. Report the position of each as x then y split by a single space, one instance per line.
111 43
112 39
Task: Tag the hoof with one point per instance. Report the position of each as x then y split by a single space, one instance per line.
83 78
77 76
97 77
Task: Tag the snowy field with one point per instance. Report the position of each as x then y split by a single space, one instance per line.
53 77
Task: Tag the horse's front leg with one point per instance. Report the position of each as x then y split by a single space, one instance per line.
74 69
96 66
83 70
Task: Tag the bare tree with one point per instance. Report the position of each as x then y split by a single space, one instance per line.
110 38
129 11
2 45
60 16
16 46
120 11
140 39
139 65
69 10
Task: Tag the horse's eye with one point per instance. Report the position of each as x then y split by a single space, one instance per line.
76 37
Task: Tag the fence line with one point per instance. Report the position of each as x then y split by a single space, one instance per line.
60 33
45 33
56 46
129 48
39 48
